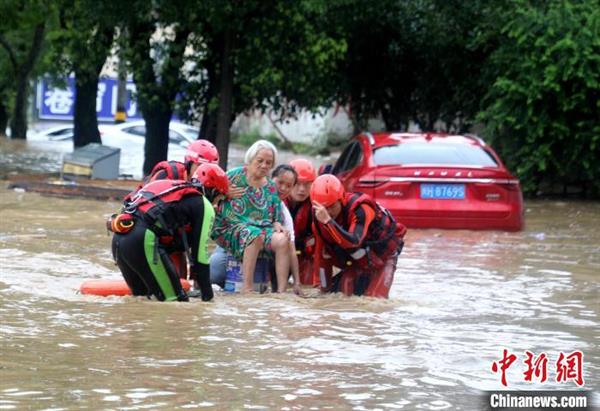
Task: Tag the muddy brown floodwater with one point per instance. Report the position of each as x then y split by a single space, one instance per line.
458 299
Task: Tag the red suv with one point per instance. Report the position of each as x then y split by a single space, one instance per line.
433 180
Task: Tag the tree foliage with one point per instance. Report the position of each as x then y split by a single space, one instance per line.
23 28
80 45
157 36
543 109
413 61
274 56
528 70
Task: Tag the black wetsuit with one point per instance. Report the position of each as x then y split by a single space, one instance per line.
142 254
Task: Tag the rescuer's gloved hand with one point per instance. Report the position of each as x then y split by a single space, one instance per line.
205 286
183 296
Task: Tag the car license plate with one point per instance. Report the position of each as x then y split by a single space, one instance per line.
443 191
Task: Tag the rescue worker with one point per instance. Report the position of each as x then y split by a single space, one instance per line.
198 152
201 151
300 207
168 216
357 235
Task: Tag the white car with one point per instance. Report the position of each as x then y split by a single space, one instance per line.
130 138
58 133
179 133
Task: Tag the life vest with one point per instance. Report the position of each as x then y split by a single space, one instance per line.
175 170
164 170
302 216
151 203
383 235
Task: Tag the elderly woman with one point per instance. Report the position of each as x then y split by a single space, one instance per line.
252 222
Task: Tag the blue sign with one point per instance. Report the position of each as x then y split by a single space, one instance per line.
58 103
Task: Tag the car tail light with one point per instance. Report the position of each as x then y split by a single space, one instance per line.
511 185
508 184
505 181
370 182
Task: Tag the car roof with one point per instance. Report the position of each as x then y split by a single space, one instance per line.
174 125
55 128
381 139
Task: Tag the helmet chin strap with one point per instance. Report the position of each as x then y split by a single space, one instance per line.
218 198
199 186
209 193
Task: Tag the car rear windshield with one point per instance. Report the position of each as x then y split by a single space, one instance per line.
427 153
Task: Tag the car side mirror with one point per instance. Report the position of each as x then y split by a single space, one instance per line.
325 169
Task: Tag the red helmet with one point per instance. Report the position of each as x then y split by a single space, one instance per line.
326 190
202 151
211 176
304 168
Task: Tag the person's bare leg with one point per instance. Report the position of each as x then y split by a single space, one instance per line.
280 246
295 267
249 263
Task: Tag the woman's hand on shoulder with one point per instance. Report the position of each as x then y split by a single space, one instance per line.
234 192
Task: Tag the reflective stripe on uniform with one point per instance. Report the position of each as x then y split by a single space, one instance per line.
158 269
207 224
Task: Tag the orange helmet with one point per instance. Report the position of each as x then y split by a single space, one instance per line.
202 151
211 176
326 190
305 170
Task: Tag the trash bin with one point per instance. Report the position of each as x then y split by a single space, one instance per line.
92 161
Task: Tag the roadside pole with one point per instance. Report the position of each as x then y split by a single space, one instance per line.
121 113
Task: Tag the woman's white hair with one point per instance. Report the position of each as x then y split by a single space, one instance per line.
256 147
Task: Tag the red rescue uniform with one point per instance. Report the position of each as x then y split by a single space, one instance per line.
167 170
301 213
364 241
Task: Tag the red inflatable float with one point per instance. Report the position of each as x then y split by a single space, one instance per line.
113 287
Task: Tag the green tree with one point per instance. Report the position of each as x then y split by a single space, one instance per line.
375 78
81 44
157 39
542 111
453 43
417 60
5 93
23 27
254 55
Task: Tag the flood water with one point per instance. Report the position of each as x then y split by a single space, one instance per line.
459 298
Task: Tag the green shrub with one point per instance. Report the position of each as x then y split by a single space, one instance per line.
248 138
541 112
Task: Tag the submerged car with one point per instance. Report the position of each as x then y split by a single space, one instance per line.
130 137
433 180
179 133
57 133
